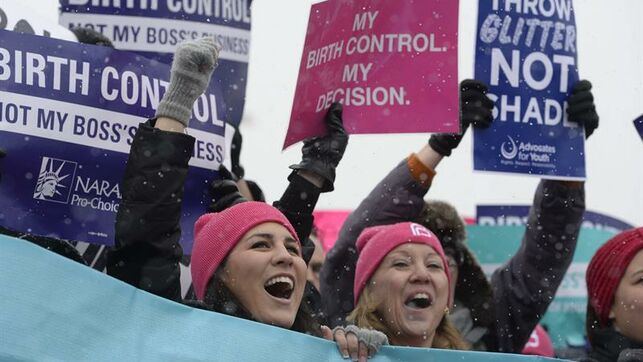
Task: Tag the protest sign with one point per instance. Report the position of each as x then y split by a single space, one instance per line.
68 114
153 28
20 16
565 317
516 215
327 225
392 64
638 123
56 309
526 53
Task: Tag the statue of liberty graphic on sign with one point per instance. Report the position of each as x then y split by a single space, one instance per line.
49 180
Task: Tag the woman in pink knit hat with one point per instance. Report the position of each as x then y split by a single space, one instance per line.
402 287
615 292
248 260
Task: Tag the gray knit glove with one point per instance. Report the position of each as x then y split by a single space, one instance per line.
630 355
193 64
371 338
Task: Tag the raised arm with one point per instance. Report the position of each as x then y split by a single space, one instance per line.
398 197
313 175
525 286
147 250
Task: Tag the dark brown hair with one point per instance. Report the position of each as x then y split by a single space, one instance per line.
593 325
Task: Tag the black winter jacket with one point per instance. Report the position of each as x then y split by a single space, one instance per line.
147 252
611 346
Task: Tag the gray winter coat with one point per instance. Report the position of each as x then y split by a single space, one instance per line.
522 288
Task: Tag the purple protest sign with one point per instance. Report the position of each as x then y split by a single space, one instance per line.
392 64
516 215
154 28
68 115
528 57
638 123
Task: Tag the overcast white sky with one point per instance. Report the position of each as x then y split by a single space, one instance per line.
610 46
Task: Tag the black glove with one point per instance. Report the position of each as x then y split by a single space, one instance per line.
475 108
235 154
224 192
580 107
321 155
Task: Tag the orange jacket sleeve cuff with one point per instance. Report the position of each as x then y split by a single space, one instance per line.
420 172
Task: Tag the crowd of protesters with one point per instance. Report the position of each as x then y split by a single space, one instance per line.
400 272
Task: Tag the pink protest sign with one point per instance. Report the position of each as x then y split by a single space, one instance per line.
392 64
328 223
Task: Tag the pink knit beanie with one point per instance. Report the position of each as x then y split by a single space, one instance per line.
216 234
376 242
607 267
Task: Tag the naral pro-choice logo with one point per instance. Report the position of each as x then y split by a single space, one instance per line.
55 180
527 154
64 181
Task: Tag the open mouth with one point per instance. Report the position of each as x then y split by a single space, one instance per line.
280 287
419 301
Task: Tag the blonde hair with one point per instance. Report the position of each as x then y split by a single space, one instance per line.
365 316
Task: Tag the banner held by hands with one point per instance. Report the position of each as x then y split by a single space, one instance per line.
56 309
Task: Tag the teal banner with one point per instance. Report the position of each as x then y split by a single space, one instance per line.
565 318
52 308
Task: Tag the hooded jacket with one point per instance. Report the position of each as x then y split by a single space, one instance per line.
521 290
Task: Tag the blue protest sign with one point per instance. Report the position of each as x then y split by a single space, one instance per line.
153 28
56 309
516 215
526 53
68 113
638 123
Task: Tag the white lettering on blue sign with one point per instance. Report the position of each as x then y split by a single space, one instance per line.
29 68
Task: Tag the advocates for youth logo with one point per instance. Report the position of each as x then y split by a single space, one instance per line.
526 154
